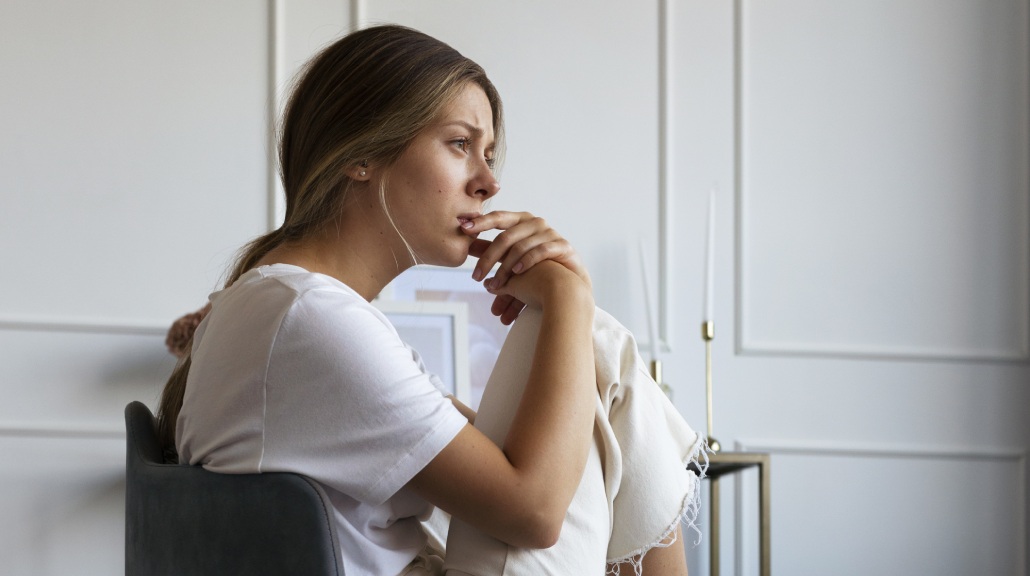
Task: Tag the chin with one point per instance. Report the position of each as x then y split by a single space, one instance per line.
453 262
454 257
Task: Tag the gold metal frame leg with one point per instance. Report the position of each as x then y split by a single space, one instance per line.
764 494
713 539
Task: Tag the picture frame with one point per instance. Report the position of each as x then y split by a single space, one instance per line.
438 331
486 334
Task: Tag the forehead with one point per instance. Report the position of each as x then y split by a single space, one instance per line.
470 106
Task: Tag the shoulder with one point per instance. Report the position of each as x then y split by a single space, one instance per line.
316 317
294 307
327 306
320 298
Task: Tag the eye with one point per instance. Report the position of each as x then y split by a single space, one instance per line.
465 145
461 144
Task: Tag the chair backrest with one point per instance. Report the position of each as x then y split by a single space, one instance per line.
183 519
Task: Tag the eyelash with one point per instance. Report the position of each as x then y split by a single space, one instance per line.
463 144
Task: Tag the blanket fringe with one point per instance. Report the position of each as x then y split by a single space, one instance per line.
688 516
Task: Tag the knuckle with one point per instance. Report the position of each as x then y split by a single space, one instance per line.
524 245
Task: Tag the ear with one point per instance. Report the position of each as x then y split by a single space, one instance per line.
359 172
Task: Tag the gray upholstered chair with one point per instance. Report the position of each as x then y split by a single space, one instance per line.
186 520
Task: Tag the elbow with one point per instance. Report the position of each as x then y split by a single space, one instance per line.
548 537
540 529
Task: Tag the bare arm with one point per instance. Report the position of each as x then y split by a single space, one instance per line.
519 494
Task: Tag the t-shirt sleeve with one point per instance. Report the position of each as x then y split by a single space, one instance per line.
436 381
347 403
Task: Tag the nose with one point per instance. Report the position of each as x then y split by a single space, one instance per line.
484 184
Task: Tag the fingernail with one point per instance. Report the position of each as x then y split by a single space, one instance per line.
467 224
517 268
477 275
491 283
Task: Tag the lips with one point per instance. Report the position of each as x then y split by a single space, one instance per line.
468 217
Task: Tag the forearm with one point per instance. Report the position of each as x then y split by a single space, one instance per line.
549 437
519 492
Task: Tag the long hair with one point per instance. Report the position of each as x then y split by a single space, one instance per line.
363 98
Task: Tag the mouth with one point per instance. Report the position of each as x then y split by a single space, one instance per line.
468 217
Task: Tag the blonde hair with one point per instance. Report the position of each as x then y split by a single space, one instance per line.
363 98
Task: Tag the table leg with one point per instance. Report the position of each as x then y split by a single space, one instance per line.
713 532
764 551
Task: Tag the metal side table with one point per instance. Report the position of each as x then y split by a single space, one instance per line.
721 464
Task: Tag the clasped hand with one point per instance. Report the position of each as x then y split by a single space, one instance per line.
525 241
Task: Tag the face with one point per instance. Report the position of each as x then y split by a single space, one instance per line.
443 178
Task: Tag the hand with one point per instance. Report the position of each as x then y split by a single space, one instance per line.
545 285
525 241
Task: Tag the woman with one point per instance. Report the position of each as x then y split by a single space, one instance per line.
387 151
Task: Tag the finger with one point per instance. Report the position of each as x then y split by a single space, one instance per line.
496 220
500 304
507 308
517 253
477 247
509 246
511 313
532 253
515 226
560 251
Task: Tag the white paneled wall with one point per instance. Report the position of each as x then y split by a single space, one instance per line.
872 161
872 234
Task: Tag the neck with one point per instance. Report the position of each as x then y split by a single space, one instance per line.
353 265
359 248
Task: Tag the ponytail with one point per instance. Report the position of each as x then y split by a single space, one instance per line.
253 252
171 403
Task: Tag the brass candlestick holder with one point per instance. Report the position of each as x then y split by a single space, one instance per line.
656 373
708 334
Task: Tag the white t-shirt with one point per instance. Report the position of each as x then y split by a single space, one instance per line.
294 371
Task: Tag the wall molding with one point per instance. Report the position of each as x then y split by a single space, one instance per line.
745 344
59 431
874 450
746 524
276 100
358 14
665 172
85 325
760 348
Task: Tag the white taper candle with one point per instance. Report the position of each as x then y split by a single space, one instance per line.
652 316
709 286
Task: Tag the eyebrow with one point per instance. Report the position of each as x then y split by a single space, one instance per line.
476 131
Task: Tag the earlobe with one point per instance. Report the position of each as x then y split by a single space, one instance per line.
359 172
